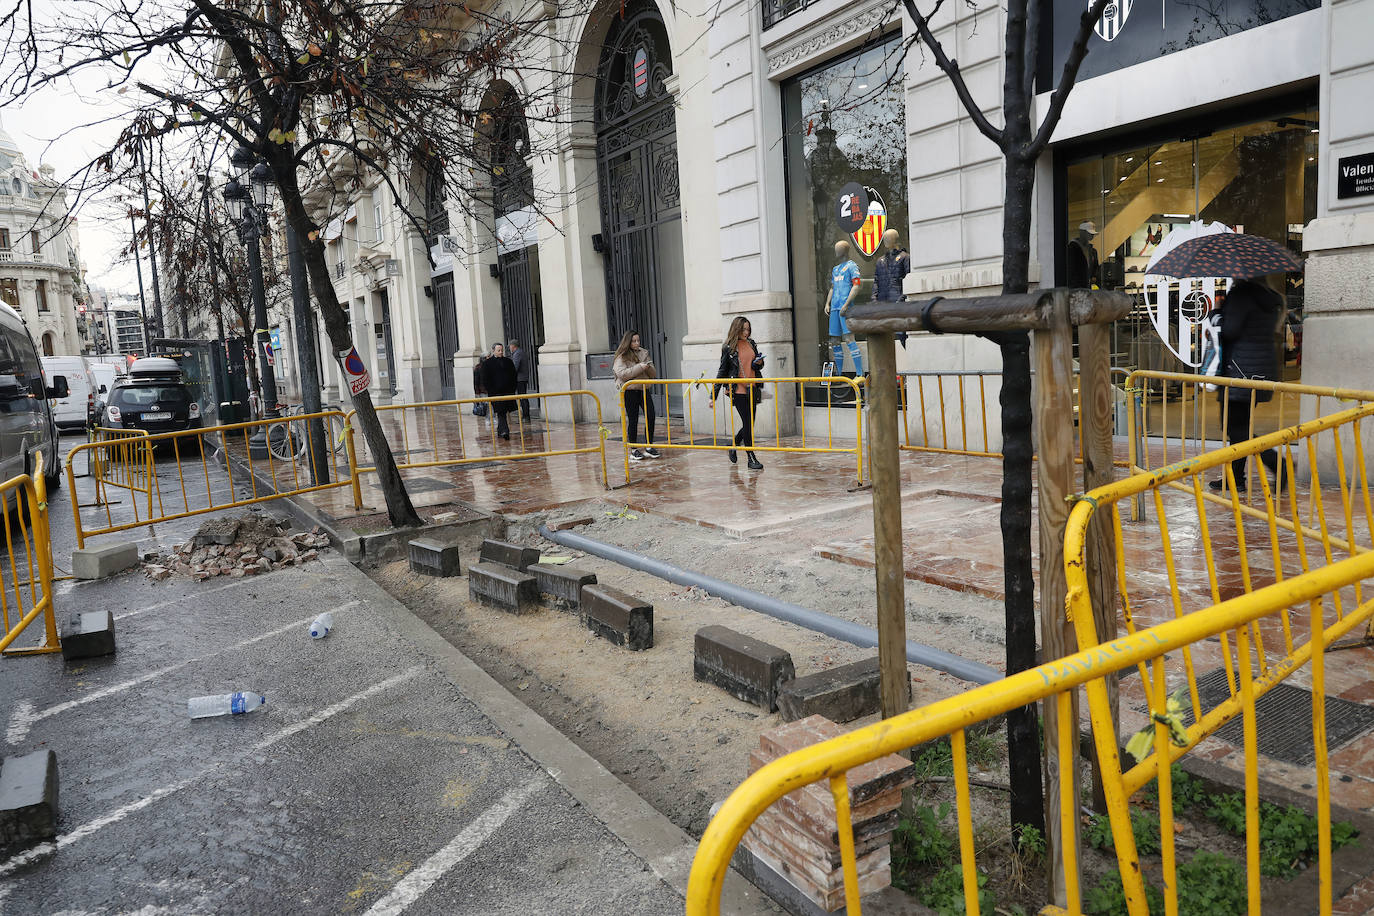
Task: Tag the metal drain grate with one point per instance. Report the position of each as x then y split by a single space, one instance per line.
1283 717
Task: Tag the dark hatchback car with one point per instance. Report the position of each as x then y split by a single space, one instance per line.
152 397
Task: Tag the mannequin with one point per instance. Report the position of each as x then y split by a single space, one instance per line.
844 286
1081 267
889 271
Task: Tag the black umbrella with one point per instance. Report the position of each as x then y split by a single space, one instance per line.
1226 254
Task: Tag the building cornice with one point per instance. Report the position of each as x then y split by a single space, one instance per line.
828 35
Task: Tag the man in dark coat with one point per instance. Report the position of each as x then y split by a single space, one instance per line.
1249 349
521 358
498 378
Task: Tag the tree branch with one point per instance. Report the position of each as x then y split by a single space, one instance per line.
951 70
1079 50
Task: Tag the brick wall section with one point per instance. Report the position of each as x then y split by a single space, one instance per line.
744 667
798 838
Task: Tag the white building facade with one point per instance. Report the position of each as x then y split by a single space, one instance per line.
40 267
704 155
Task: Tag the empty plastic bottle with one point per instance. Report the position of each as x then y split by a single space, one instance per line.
226 704
321 625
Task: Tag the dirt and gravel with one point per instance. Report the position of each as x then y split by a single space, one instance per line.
681 744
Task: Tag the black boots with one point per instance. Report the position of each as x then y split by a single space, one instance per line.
754 463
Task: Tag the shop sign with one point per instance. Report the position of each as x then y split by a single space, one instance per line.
851 207
276 339
1355 176
870 235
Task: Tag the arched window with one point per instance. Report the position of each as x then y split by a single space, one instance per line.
512 181
436 203
48 344
18 185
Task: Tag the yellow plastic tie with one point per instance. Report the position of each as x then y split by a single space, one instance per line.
1141 742
42 507
605 433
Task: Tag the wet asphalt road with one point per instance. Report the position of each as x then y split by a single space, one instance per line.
368 783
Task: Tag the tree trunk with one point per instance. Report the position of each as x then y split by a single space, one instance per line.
1023 733
399 510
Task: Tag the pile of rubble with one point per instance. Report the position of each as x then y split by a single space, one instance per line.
238 546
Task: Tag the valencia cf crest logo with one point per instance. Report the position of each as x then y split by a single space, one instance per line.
870 235
1113 18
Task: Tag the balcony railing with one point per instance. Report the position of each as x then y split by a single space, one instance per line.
775 11
12 256
340 270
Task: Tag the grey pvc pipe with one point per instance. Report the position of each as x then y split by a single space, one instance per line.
843 630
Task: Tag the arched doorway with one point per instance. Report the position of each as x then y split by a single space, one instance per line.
641 215
445 313
48 344
516 222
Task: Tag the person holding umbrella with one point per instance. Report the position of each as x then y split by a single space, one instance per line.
1250 318
1249 323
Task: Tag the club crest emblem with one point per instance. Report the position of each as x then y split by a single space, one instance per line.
870 235
1113 18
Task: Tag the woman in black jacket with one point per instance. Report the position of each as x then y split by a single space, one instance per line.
740 358
1249 349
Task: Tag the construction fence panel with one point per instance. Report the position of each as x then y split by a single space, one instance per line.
1314 533
26 569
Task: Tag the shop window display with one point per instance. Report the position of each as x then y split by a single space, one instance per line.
1258 178
845 153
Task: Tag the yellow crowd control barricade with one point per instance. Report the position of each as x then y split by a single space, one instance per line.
948 412
433 434
169 473
26 568
1256 636
724 423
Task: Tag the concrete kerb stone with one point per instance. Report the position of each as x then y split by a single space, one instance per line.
430 557
747 668
561 586
90 634
28 798
104 561
840 694
513 555
499 586
617 617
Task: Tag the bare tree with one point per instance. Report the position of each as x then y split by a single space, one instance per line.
323 91
1021 142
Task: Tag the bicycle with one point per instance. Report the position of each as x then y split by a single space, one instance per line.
289 441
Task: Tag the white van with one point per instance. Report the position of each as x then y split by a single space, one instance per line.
105 376
79 408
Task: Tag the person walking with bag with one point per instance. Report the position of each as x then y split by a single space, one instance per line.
634 362
740 358
1249 349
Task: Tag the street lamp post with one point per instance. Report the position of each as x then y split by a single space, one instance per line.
248 210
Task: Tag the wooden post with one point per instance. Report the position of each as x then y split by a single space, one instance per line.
1052 352
1095 424
887 523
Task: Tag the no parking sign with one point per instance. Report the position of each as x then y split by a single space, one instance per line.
353 367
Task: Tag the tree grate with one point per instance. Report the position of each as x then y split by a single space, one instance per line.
1283 719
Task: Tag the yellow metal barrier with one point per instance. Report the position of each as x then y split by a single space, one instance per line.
434 423
26 590
729 426
1322 582
128 461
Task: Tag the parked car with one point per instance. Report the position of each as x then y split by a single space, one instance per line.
106 374
152 397
81 407
27 424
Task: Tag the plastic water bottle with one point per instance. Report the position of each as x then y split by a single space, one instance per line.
321 625
226 704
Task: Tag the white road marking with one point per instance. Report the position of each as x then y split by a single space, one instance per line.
117 815
25 716
185 598
414 885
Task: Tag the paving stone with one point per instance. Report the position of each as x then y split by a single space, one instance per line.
223 530
841 694
512 555
89 635
429 557
28 798
561 585
500 586
101 562
618 617
742 666
568 523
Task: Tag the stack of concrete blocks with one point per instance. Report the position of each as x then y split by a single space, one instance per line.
797 838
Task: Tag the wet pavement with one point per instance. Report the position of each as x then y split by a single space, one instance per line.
373 781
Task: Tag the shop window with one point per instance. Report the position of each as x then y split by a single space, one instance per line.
1258 178
845 129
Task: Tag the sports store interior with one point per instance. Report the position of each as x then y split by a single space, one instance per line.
844 121
1256 176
